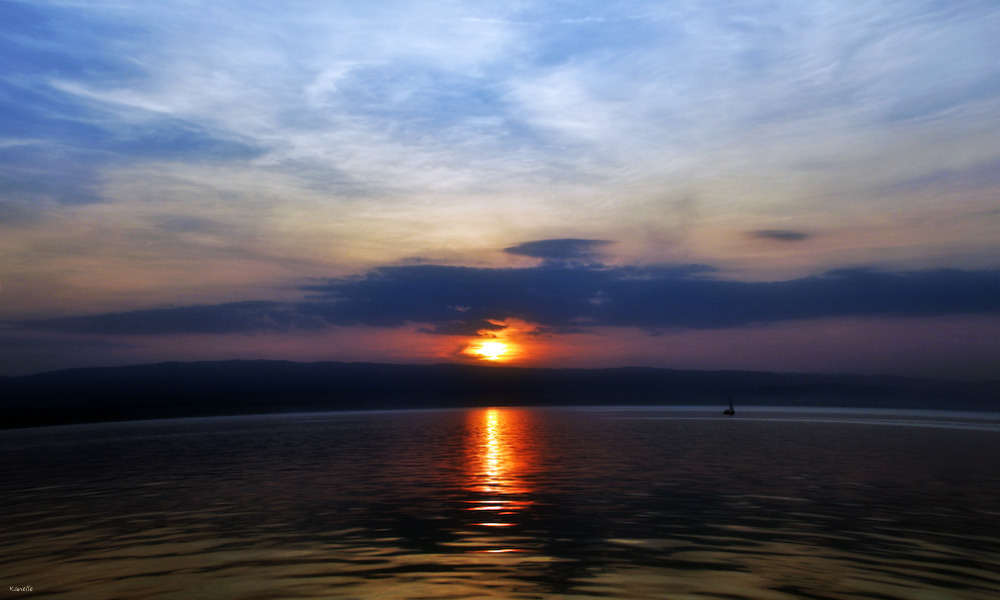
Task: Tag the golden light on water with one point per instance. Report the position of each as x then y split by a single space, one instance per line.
500 453
496 472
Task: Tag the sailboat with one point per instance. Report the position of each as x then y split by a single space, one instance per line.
730 411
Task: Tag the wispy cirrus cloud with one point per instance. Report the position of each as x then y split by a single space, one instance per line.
475 91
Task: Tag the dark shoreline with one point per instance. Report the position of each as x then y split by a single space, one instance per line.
169 390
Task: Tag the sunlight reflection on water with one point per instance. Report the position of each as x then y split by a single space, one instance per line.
506 503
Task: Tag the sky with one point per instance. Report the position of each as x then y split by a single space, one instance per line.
765 185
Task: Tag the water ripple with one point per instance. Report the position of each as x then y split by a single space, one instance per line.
502 504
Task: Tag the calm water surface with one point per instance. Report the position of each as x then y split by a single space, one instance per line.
507 503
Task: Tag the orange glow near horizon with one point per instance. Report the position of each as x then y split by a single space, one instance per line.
496 350
508 343
491 350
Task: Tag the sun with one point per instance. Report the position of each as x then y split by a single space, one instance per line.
501 343
491 350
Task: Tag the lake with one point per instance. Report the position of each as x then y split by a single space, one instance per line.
682 503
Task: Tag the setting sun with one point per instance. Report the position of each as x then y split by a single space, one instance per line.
505 341
491 350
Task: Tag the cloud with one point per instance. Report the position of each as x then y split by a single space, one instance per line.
466 328
35 174
463 300
338 136
566 249
780 235
235 317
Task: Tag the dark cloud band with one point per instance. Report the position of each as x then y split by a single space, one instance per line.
462 300
565 249
780 235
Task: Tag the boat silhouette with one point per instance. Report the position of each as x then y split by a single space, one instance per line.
730 411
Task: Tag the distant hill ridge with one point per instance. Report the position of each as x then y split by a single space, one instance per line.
184 389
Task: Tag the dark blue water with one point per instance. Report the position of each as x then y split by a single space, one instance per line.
507 503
